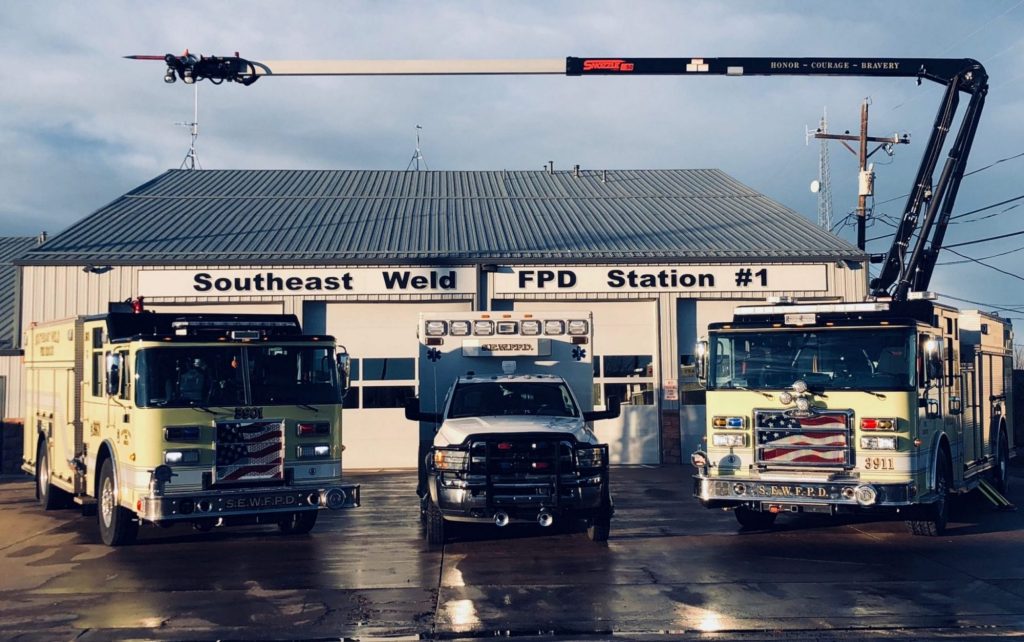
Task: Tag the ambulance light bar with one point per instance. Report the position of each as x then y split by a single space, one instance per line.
871 306
525 327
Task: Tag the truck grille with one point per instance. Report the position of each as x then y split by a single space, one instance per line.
250 451
818 440
520 458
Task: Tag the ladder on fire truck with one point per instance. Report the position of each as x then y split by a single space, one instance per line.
929 205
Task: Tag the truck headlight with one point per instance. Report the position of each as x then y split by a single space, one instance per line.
879 443
450 459
312 451
181 456
729 440
590 457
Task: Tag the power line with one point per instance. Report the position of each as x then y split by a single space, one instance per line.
979 262
988 207
974 171
987 305
990 256
990 238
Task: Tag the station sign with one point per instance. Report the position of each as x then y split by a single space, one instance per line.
308 281
663 278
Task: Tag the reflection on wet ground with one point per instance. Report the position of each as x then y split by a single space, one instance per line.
670 569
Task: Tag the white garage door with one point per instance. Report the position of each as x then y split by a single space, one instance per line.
625 365
381 339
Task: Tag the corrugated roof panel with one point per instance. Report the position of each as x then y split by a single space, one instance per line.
11 248
317 216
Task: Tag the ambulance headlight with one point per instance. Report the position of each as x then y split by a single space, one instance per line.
450 459
554 327
181 456
436 328
578 327
460 328
530 327
483 328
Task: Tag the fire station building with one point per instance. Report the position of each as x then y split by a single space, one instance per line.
655 255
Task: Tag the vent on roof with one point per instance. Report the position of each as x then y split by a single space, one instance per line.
41 238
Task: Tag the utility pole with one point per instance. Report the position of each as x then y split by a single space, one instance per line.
866 175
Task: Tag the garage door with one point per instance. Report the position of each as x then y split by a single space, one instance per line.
625 365
381 339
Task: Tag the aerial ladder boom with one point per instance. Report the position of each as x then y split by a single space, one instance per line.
910 261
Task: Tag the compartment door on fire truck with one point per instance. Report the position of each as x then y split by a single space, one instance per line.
381 339
625 365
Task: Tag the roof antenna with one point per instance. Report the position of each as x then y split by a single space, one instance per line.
417 155
191 160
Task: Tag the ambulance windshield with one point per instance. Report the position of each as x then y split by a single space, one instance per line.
841 358
491 398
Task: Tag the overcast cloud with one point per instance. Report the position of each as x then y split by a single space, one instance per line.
80 126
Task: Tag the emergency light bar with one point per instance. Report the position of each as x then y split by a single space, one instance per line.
875 306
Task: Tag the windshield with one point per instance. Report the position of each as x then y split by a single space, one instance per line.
180 377
833 359
491 398
292 375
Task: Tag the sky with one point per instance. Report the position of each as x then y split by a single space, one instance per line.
80 126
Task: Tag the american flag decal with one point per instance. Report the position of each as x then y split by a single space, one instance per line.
250 451
817 440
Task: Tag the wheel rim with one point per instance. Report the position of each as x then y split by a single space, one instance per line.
44 474
107 501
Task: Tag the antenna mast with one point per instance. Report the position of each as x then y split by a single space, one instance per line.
824 176
417 155
191 160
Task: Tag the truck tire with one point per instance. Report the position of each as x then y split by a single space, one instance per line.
1001 474
600 527
937 515
118 525
435 526
299 523
50 497
754 519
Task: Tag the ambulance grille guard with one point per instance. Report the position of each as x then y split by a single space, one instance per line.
516 470
818 440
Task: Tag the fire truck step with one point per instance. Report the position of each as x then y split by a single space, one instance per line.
995 496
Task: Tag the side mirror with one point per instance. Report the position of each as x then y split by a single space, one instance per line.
412 412
612 410
113 374
343 368
956 406
930 365
701 353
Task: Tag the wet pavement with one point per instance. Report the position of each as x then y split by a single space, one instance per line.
671 570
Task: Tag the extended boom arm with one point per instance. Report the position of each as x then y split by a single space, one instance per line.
904 268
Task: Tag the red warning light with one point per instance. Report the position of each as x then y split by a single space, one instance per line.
137 305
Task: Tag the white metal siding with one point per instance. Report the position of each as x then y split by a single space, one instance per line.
10 372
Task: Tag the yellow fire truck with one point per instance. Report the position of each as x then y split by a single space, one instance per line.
184 418
855 407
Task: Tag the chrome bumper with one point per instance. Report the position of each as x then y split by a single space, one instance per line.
189 507
723 492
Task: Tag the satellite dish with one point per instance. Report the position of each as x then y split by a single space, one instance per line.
815 186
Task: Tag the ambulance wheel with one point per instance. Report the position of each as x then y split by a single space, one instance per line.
1002 470
299 523
937 514
118 525
435 525
50 497
754 519
600 527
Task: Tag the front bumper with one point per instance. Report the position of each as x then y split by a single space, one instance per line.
247 502
835 495
474 498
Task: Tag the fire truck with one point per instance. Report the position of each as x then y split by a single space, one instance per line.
505 410
202 419
882 407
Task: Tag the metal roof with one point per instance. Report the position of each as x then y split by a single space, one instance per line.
368 216
11 247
